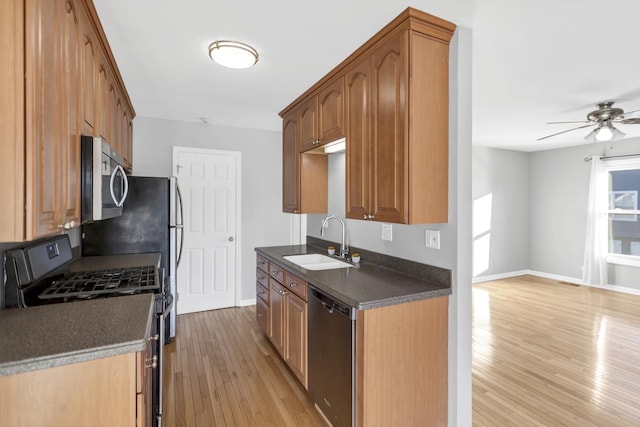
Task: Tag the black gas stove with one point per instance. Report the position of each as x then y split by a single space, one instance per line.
41 274
94 284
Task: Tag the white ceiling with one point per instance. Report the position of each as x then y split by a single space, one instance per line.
533 61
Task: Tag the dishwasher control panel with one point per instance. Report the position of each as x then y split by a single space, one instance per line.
329 302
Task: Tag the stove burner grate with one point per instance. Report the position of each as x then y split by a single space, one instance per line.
84 283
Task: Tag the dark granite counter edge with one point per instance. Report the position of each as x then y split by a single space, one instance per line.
405 299
60 359
69 358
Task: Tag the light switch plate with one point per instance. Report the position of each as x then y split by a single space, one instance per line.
387 232
432 239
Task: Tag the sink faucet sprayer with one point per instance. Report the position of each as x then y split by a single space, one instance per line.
343 247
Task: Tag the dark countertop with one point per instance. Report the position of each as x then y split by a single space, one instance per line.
374 283
58 334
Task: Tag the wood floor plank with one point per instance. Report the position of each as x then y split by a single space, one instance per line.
549 353
544 354
221 370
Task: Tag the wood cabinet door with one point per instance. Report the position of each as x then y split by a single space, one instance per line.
277 316
331 112
102 101
358 152
124 134
71 70
296 350
44 119
262 315
290 165
308 122
89 74
112 117
389 130
12 130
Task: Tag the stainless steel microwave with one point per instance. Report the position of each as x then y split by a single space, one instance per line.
104 183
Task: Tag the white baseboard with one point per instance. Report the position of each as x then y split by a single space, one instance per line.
557 277
245 302
499 276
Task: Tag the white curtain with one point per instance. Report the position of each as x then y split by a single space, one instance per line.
596 246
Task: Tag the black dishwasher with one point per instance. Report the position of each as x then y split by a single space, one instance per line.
331 364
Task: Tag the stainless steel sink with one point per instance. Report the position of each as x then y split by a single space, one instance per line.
317 262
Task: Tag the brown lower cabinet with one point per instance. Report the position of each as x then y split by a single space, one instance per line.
110 392
401 354
282 313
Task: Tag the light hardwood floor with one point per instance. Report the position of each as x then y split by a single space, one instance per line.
554 354
222 371
544 354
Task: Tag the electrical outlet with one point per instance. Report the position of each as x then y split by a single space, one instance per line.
432 239
387 232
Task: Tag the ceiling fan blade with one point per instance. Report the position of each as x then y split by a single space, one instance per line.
565 131
631 121
630 115
564 123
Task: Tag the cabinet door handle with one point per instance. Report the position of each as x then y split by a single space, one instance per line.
371 216
292 285
152 363
260 314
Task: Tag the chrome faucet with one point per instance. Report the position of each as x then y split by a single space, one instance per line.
344 248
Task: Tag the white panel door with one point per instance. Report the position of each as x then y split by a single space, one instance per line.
209 183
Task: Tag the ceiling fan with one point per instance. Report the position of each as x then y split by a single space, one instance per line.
603 118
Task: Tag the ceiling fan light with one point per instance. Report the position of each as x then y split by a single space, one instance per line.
232 54
617 134
591 137
604 134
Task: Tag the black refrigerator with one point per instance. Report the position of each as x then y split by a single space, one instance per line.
151 221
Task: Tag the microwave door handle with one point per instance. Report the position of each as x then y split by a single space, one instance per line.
118 169
125 181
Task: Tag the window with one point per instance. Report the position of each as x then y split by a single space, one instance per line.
623 211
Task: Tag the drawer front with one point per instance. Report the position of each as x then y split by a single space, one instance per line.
262 263
262 315
262 292
276 272
262 277
295 285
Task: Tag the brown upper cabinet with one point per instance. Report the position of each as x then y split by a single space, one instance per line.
58 64
394 92
322 116
304 175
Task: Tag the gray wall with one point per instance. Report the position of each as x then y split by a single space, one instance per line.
540 209
558 197
262 222
504 175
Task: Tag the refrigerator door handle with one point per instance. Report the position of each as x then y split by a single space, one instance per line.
180 225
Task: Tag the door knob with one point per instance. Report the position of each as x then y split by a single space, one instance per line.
231 238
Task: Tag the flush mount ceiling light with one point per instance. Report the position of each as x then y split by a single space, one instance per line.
232 54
